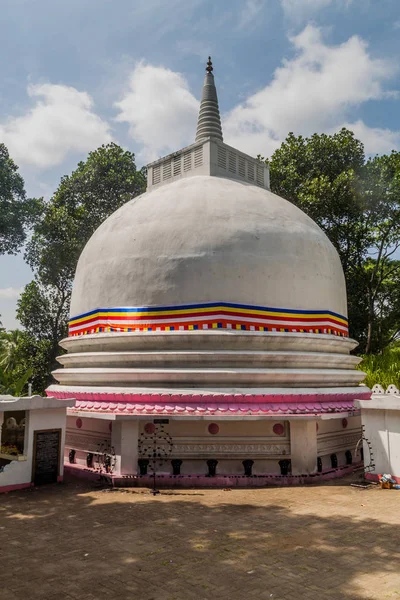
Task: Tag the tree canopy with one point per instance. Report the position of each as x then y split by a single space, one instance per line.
17 212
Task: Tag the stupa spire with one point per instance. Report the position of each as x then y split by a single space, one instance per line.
209 121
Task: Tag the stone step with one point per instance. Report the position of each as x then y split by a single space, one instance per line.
210 359
206 376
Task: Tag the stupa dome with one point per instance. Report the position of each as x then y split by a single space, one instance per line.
209 239
208 281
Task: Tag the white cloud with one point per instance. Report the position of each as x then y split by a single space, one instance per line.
375 139
160 110
61 121
313 92
10 293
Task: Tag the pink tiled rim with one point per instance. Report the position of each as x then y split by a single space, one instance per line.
210 404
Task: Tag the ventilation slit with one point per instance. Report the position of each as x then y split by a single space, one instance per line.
177 165
198 157
242 167
260 175
156 174
221 157
187 161
232 162
250 171
167 170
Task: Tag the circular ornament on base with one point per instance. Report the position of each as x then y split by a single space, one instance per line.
278 429
213 428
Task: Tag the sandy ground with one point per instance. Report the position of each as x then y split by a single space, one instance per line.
78 541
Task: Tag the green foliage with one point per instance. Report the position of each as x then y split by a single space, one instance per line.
39 357
83 200
22 353
43 311
16 211
9 341
382 190
382 368
13 386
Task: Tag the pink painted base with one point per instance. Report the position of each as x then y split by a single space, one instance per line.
17 486
21 486
202 481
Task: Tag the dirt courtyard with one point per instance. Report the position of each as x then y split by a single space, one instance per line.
77 541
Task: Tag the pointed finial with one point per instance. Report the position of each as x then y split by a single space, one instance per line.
209 121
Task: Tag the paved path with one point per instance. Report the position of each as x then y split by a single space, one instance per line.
75 541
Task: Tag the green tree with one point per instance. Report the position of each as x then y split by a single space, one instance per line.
37 356
83 200
17 212
43 312
9 341
12 386
382 190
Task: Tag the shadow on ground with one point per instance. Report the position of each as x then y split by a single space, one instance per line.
76 541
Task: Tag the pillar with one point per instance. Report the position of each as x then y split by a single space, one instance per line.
124 438
303 447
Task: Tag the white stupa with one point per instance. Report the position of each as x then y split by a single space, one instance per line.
213 303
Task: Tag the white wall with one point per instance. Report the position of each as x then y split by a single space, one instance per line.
333 438
86 438
20 472
303 447
382 429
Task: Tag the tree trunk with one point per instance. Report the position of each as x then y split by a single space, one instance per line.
371 317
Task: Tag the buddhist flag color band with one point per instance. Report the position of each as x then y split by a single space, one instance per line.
214 315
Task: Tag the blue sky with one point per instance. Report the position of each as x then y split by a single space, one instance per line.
80 73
